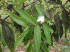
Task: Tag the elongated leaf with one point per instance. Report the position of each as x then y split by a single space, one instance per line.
21 37
43 37
39 10
27 37
65 18
27 16
58 24
18 20
29 47
8 35
2 38
46 14
47 33
37 37
44 47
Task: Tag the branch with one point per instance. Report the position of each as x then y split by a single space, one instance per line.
59 9
28 4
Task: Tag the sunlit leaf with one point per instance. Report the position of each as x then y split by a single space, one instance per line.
18 20
39 10
27 16
37 37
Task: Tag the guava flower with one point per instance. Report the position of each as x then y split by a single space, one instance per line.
40 18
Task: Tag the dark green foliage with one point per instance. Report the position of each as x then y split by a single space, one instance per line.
0 48
65 18
0 7
44 40
57 1
43 46
55 34
69 0
0 37
69 28
18 27
9 7
29 47
29 35
8 35
58 24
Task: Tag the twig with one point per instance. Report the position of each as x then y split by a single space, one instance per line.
28 4
59 9
5 18
6 21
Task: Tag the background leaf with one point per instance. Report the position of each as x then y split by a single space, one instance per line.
65 18
58 24
21 1
8 35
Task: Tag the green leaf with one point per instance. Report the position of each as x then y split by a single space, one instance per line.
47 33
65 18
58 24
44 47
29 47
21 37
44 39
27 16
8 35
37 37
21 1
1 2
0 48
28 36
2 38
18 20
39 10
12 3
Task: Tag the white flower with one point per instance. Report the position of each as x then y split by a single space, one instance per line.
40 18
